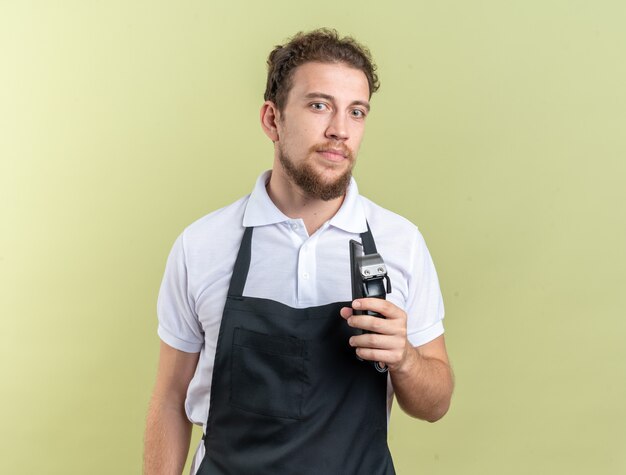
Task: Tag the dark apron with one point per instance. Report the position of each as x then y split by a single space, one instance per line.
288 395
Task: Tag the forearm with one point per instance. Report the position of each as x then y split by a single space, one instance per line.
167 437
423 385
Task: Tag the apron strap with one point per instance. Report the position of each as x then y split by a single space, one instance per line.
242 264
369 246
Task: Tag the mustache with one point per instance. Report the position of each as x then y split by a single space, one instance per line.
333 147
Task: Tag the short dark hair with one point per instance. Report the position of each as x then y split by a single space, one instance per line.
323 45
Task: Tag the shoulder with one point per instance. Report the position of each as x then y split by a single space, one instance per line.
215 230
390 227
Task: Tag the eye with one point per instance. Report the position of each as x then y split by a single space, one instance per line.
318 106
358 113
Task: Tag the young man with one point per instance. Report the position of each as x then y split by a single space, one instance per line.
260 344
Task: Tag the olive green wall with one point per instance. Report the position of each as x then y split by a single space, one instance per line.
499 129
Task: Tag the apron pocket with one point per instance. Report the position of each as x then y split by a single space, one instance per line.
267 374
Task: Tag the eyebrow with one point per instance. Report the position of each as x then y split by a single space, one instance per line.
328 97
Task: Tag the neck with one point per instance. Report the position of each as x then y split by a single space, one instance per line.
294 203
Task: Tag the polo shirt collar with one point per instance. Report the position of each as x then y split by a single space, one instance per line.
261 210
351 216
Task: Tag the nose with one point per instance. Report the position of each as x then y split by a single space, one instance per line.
337 127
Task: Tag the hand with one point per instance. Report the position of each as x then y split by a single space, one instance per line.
387 343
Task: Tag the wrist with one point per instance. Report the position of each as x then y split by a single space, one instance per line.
408 364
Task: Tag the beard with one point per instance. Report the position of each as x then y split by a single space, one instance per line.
311 181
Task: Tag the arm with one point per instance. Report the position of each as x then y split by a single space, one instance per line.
168 431
421 376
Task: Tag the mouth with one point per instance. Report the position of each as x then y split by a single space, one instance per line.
332 154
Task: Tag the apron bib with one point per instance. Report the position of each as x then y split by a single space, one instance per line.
288 395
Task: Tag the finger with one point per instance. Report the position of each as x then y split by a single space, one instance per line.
346 312
378 325
369 323
384 307
376 341
390 358
387 357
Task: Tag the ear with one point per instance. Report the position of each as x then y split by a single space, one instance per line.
269 119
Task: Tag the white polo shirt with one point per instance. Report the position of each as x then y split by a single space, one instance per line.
288 266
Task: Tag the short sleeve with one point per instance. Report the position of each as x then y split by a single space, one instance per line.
424 305
179 326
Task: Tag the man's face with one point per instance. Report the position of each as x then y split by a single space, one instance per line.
321 127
